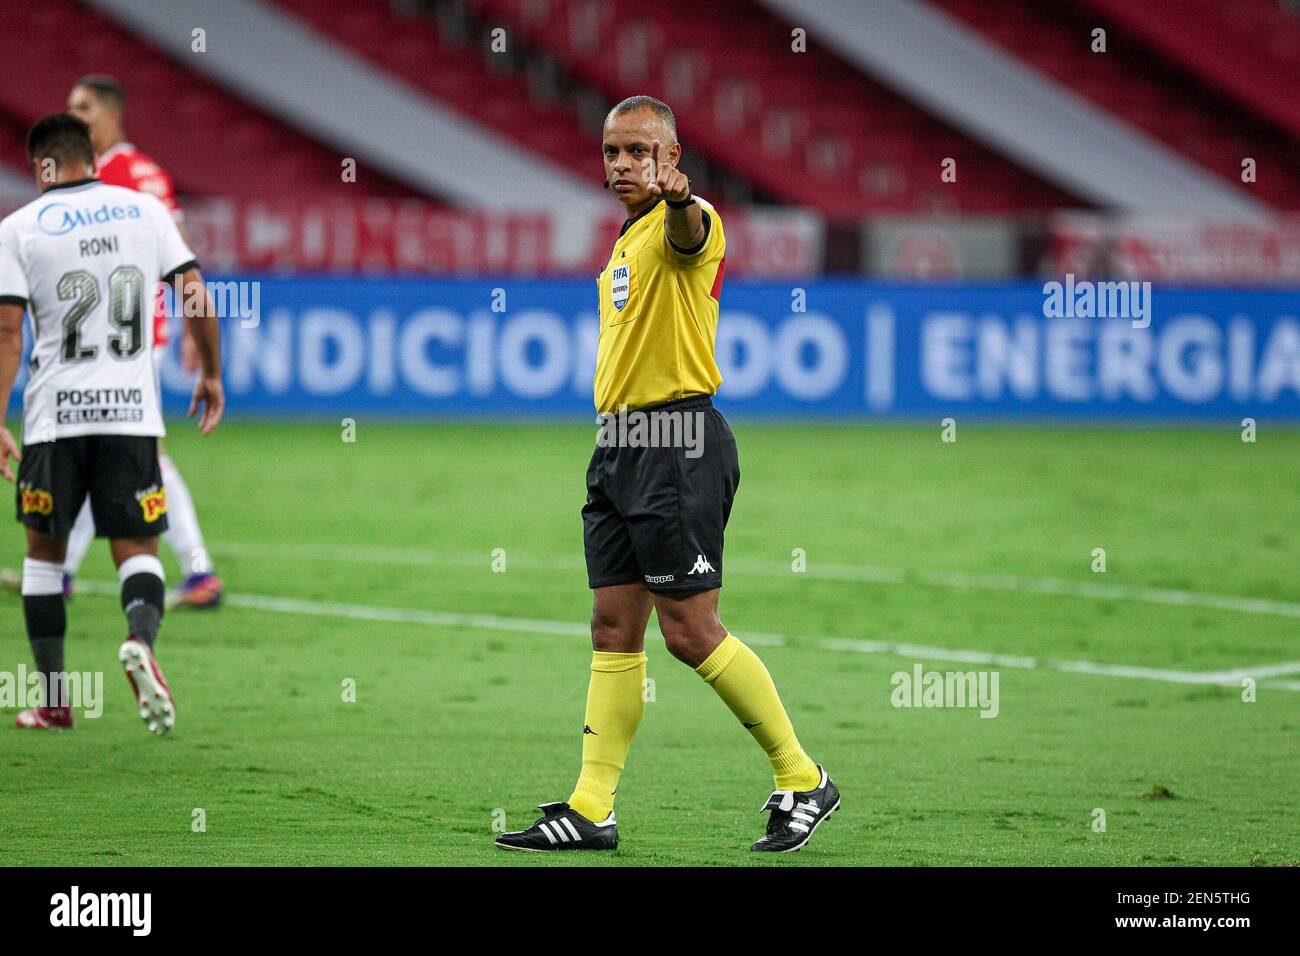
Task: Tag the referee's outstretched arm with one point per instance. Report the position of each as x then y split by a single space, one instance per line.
683 222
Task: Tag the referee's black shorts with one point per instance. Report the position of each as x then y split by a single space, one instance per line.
657 506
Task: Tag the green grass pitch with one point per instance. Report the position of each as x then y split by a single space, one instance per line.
372 562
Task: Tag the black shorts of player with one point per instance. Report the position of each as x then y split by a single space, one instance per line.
658 499
119 472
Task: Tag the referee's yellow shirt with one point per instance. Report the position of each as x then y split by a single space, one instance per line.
659 314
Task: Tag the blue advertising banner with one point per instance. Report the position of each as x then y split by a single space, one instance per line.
310 347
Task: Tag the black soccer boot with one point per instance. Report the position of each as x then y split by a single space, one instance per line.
562 828
796 814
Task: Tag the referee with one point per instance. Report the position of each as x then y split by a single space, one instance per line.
659 491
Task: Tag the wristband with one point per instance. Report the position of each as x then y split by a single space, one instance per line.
681 204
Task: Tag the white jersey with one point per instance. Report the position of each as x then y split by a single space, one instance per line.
86 258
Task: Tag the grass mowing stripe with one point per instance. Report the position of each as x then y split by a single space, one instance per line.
294 769
523 625
861 574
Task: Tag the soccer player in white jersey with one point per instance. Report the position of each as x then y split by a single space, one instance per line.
101 102
83 261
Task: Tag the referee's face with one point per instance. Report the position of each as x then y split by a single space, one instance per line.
628 166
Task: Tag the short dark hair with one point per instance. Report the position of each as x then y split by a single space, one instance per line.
107 89
61 137
658 107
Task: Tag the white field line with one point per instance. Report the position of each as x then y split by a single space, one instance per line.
370 612
1227 678
523 625
865 574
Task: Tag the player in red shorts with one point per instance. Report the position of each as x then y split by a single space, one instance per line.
100 102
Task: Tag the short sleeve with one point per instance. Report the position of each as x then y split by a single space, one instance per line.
711 249
159 185
13 281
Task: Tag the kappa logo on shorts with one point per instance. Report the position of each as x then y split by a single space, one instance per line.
37 501
659 578
153 503
702 566
620 288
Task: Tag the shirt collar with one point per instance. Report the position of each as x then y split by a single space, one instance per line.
108 154
627 224
76 182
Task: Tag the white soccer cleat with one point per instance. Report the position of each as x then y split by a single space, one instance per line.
154 697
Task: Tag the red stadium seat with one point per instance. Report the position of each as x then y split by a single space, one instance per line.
1138 84
730 77
210 141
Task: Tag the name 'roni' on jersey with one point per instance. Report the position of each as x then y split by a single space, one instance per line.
86 259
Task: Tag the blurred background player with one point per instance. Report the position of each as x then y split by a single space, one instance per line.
92 414
100 102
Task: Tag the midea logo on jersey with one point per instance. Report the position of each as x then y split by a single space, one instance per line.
58 218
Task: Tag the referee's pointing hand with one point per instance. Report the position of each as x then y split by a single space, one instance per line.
665 179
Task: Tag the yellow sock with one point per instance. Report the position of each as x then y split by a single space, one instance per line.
615 704
744 684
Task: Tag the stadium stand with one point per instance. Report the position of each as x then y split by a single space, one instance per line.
1249 50
1192 104
948 68
518 91
826 137
452 134
407 45
292 71
229 146
15 180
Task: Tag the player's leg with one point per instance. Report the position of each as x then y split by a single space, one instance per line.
130 505
200 587
51 488
78 543
615 701
678 523
143 585
83 532
686 603
143 592
695 635
47 623
804 794
615 695
615 705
